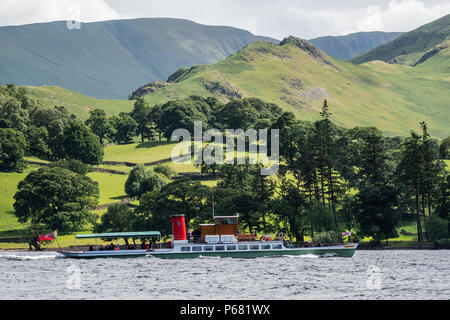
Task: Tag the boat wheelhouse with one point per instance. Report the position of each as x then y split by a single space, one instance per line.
222 239
134 250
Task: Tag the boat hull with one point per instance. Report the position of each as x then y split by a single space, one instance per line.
337 251
104 254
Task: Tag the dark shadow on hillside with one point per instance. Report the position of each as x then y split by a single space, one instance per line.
119 197
12 233
151 144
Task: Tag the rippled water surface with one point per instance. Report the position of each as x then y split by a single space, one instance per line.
402 274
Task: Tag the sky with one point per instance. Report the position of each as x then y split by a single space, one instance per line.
275 18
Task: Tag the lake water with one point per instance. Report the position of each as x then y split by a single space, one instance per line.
401 274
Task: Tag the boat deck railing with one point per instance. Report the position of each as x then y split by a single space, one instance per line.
240 238
198 240
313 245
161 245
107 248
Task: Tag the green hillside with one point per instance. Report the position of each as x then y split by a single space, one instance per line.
77 103
109 59
354 44
297 76
410 47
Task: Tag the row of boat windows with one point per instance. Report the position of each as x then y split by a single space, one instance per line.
232 247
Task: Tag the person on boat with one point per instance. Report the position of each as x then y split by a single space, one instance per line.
91 248
197 235
189 235
143 243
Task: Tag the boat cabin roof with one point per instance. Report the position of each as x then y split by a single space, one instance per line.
141 234
225 217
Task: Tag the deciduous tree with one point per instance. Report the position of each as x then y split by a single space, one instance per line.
56 198
99 124
12 150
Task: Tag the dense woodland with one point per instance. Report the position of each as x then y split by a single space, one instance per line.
331 178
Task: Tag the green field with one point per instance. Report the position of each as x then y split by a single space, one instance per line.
9 182
139 152
111 186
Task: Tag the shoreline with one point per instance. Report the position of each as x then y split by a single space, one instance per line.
365 248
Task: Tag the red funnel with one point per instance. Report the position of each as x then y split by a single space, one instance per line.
178 227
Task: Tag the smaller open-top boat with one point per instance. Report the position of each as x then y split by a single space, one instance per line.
134 250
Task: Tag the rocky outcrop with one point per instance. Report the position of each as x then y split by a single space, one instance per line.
148 88
224 88
177 76
183 73
307 47
432 52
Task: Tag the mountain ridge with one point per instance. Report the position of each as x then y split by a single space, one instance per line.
91 59
351 45
411 46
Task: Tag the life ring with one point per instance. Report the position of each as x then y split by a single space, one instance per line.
265 238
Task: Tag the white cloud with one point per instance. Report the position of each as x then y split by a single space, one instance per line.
401 15
303 18
17 12
307 24
278 19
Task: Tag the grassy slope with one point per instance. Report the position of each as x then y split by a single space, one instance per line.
77 103
139 152
394 98
409 47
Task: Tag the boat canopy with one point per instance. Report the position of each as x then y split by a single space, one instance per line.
141 234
